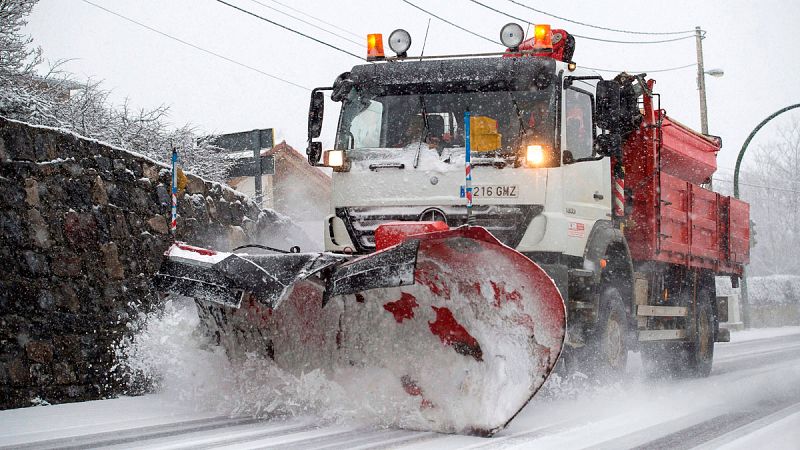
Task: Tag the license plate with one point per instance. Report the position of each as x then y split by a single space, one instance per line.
493 191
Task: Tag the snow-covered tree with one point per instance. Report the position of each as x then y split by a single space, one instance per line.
18 57
771 184
56 99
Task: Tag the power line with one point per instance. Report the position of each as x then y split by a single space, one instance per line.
319 41
453 24
318 19
616 30
773 188
522 20
773 178
613 41
306 22
196 47
591 38
669 69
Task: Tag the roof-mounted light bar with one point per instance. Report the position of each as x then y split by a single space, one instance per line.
511 35
400 42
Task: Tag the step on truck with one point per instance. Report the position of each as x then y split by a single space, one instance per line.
490 214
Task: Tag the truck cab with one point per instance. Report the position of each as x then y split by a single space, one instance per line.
539 184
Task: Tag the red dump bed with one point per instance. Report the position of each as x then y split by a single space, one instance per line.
672 218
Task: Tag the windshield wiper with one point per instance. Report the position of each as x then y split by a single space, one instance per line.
523 130
424 129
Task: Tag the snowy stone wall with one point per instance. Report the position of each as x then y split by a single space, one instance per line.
83 226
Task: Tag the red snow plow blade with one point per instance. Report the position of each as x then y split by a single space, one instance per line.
451 326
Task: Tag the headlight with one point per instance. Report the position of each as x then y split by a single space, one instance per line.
534 156
336 159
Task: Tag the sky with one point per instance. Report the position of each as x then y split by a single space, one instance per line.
755 43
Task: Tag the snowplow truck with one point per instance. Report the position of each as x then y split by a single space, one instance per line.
488 212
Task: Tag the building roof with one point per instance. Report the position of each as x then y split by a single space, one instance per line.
288 161
298 162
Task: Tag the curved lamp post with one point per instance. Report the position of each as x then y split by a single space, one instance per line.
745 303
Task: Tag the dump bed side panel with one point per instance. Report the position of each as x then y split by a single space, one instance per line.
687 154
739 231
671 218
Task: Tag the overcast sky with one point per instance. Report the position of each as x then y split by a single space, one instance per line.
756 43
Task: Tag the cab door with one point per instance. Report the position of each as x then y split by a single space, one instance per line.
586 179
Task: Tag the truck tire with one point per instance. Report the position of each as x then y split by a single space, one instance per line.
685 359
611 349
700 351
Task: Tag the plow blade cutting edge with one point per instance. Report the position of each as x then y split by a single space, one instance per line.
454 328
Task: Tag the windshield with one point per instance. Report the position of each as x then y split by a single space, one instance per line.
503 121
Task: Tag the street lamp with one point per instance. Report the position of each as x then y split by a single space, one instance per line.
745 299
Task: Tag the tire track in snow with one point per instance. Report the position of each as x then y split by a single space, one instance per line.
416 438
373 438
337 439
132 435
708 430
256 431
752 427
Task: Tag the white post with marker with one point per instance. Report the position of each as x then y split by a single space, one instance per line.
468 168
173 224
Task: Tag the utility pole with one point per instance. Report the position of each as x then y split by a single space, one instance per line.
701 81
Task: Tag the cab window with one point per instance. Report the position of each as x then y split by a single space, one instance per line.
578 128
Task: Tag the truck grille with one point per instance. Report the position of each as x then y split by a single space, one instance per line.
506 222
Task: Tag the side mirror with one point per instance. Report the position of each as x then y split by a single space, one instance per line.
608 108
314 152
315 111
607 144
341 87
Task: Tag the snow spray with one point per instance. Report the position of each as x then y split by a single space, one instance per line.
173 224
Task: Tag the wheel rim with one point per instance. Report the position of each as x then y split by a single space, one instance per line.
704 334
613 342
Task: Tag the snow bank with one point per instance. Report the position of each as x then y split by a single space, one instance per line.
763 333
774 289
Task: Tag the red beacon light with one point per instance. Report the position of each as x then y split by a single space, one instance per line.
556 44
375 47
542 39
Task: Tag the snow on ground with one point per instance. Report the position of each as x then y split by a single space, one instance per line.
762 333
75 419
751 400
780 429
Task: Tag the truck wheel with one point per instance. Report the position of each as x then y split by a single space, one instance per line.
700 350
685 359
611 347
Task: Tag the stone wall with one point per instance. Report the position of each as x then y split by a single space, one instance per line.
83 227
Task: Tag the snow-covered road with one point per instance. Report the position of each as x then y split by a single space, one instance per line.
751 400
